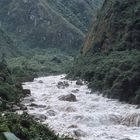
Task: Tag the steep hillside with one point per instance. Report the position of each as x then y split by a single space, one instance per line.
117 27
110 57
43 24
7 46
77 12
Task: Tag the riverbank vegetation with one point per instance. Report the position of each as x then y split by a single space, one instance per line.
115 74
12 73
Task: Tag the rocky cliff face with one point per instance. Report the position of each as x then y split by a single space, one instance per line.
110 58
47 23
117 27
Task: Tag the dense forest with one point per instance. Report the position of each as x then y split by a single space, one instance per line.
93 40
110 57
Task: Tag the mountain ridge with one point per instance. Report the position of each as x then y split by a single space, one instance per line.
37 24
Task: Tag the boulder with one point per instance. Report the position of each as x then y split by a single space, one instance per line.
27 101
70 109
73 126
75 91
39 117
26 91
51 112
138 106
33 104
62 84
18 85
79 82
37 106
69 97
23 107
40 81
40 106
79 133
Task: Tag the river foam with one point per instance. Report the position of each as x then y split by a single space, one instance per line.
91 117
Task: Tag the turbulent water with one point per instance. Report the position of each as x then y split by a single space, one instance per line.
91 117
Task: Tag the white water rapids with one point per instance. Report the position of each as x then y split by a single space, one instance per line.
91 117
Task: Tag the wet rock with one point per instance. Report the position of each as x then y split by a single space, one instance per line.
37 106
51 113
26 91
69 97
41 106
15 108
73 126
38 117
42 117
62 84
79 82
75 91
78 117
88 92
33 104
23 107
70 109
27 101
18 85
138 106
79 133
40 81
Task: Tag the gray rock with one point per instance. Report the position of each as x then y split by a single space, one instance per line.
33 104
70 109
41 106
73 126
69 97
138 106
79 133
27 101
39 117
62 84
79 82
75 91
51 113
40 81
23 107
37 106
26 91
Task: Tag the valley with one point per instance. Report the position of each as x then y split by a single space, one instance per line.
69 69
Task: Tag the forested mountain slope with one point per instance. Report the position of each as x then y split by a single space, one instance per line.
117 27
110 57
77 12
7 45
47 24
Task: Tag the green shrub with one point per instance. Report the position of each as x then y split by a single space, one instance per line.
116 74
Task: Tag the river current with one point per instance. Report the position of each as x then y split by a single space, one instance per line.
90 117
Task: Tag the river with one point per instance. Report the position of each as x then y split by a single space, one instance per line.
90 117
